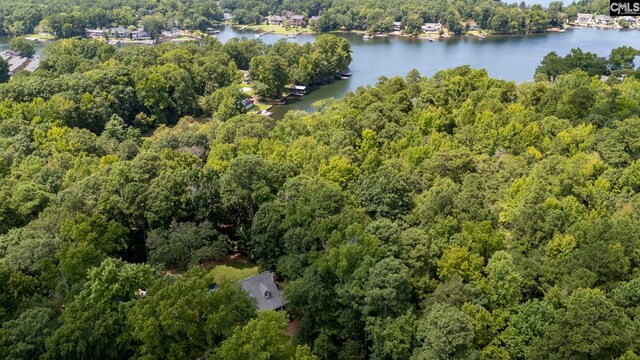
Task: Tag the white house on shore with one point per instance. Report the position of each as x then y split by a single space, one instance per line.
140 34
584 19
432 27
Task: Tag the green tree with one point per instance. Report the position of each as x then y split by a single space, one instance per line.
153 24
24 337
261 338
22 46
270 73
590 326
551 66
93 324
445 333
385 192
460 261
187 317
387 291
186 244
392 338
4 71
504 280
622 58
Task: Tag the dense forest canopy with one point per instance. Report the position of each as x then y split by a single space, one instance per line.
69 18
447 217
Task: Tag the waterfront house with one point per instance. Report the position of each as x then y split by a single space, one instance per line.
604 20
297 20
584 19
396 26
18 63
118 32
298 90
432 27
94 33
275 20
226 16
140 34
630 19
247 103
471 25
313 19
172 33
264 290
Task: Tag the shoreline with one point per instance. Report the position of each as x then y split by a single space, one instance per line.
271 29
264 29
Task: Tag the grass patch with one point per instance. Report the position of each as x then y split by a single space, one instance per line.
250 93
277 29
234 273
260 107
41 36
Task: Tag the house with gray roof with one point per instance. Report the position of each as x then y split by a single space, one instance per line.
275 20
18 63
264 290
118 32
604 20
297 20
432 27
584 19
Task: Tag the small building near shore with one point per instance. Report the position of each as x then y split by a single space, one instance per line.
297 20
171 33
604 20
298 90
396 26
95 33
584 19
118 32
18 63
264 290
432 27
470 25
247 103
140 34
275 20
629 19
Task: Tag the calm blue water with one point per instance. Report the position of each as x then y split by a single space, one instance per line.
506 57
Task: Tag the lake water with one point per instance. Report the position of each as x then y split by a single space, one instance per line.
506 57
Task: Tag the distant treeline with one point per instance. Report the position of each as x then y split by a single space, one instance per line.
69 18
379 15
